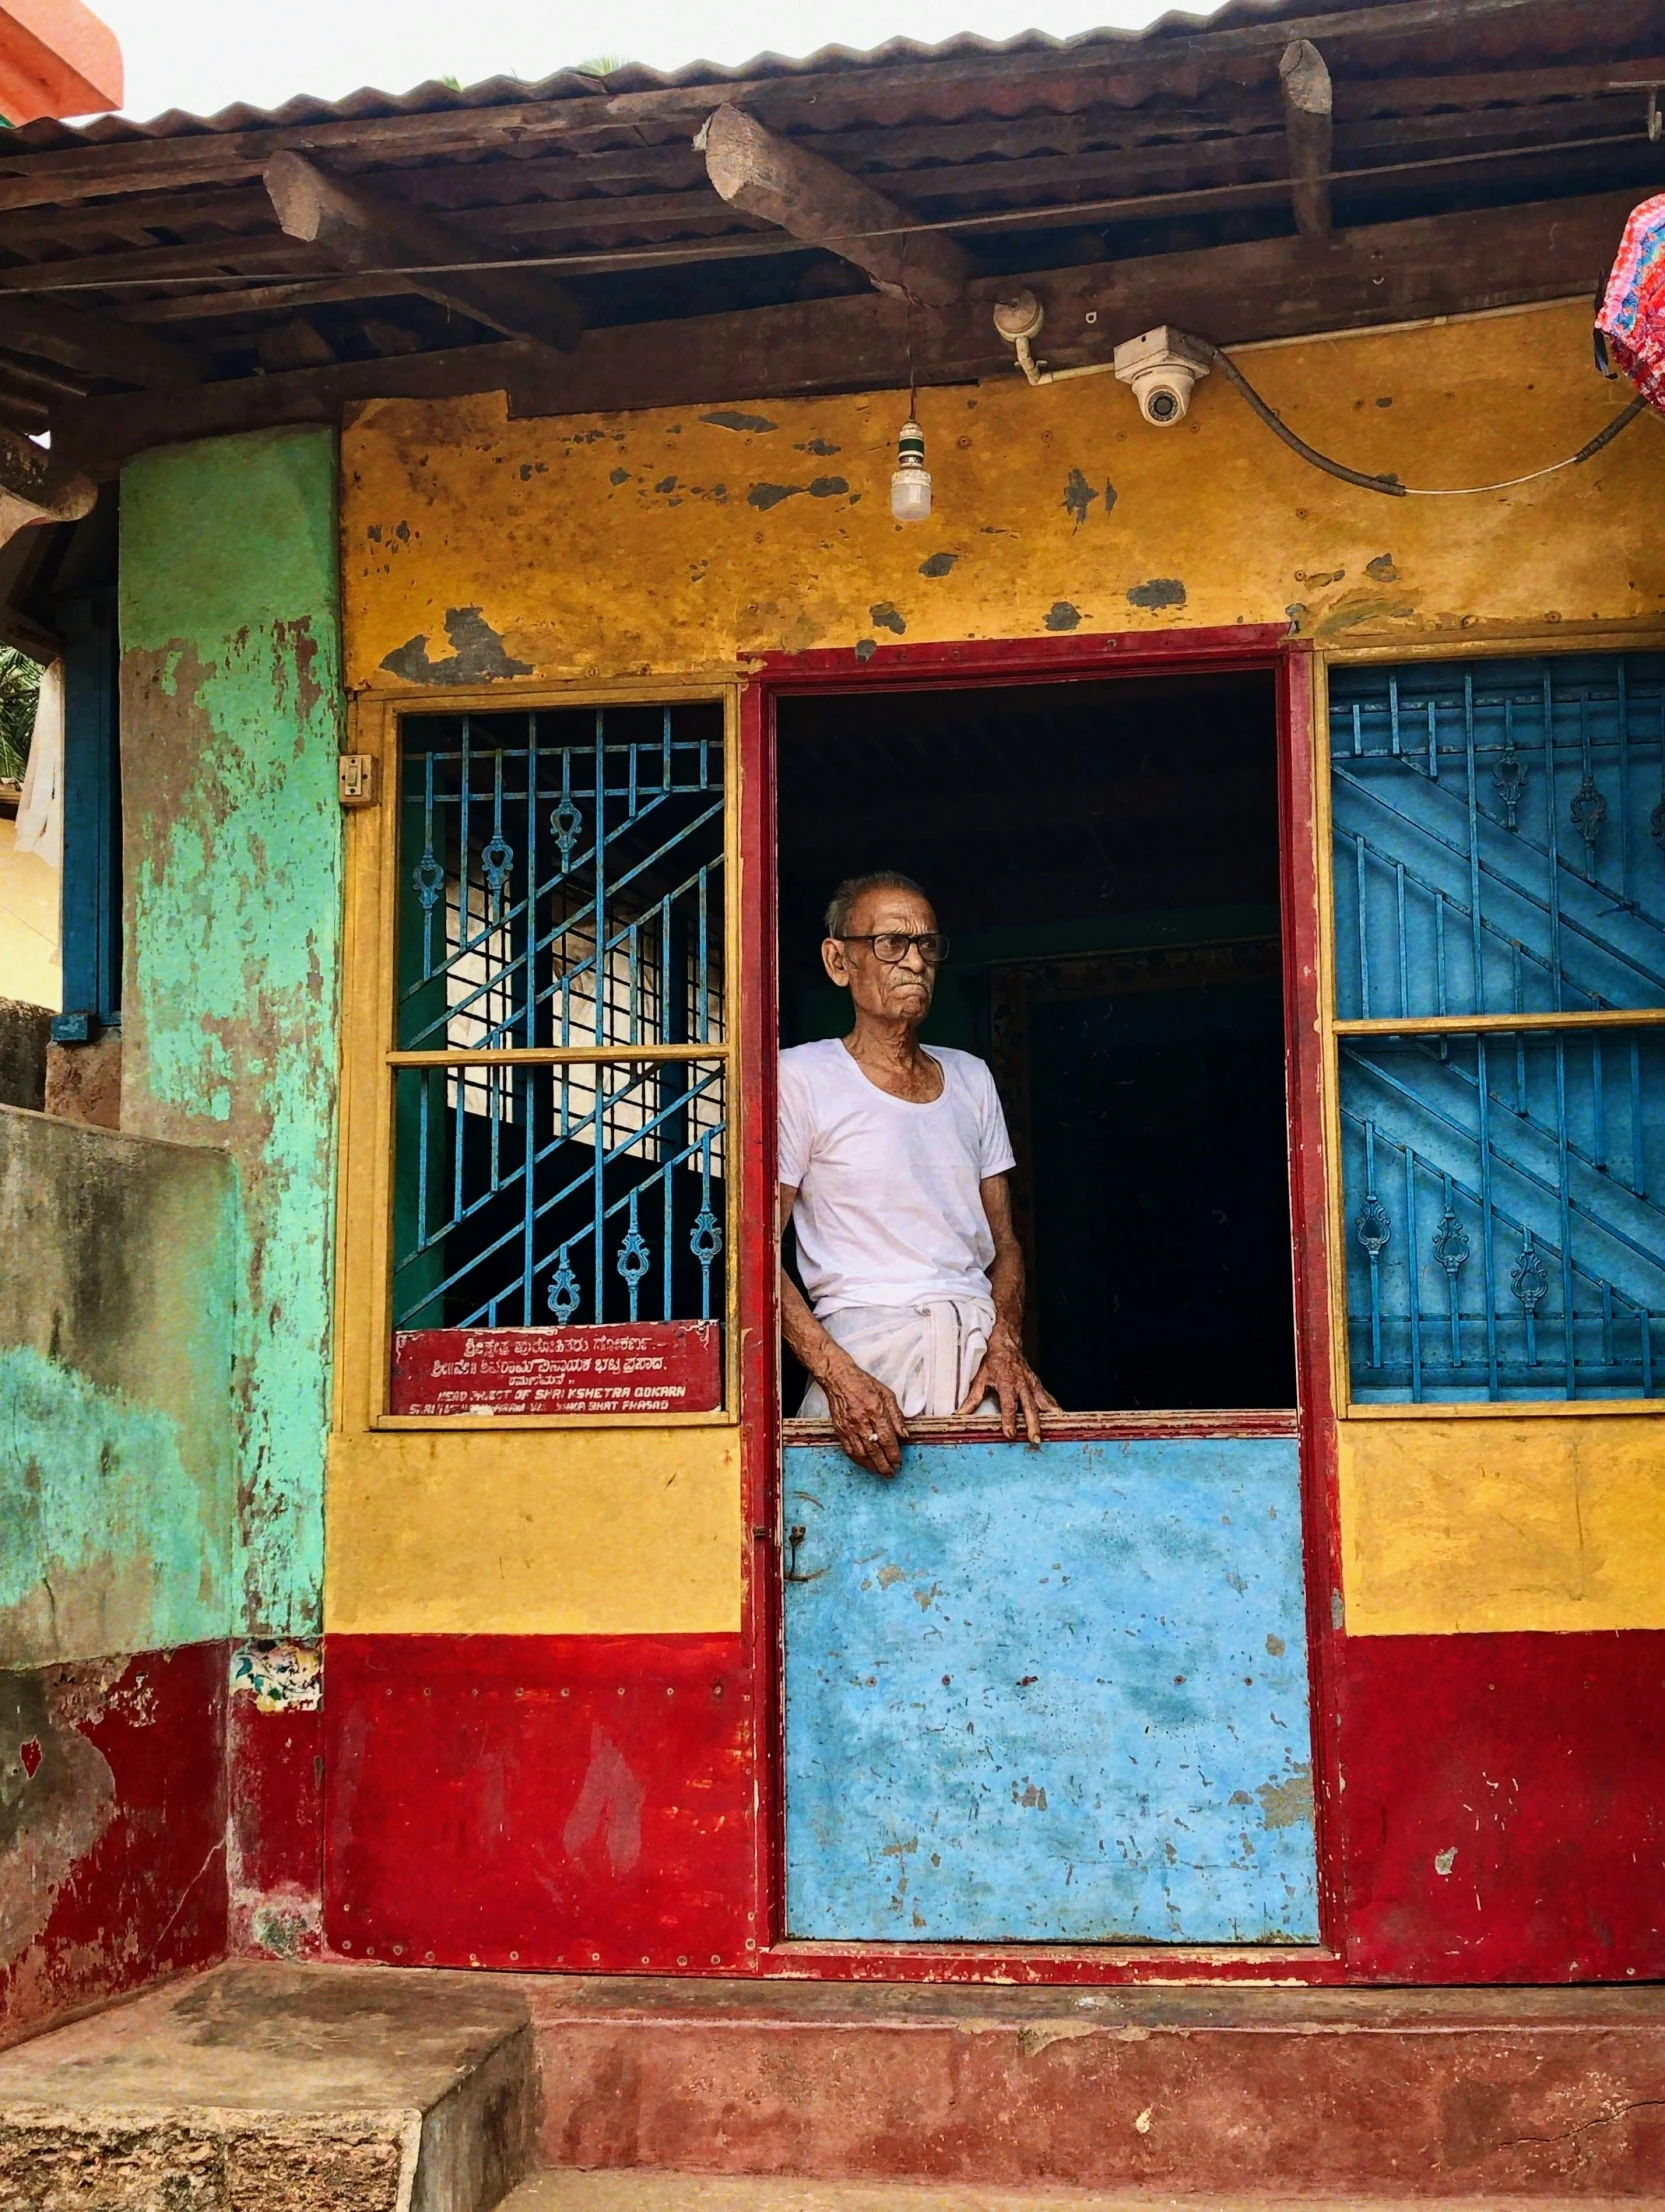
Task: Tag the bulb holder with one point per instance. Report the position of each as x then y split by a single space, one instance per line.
910 486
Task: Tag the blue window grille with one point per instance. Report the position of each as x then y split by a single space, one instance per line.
561 1068
1499 928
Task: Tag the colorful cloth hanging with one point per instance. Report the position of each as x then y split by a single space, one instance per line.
1632 316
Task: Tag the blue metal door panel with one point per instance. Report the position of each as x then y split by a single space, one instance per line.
1049 1696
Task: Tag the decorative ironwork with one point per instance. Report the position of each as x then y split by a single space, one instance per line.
1510 778
1373 1225
564 1293
567 825
1529 1278
1588 811
1451 1246
705 1240
635 1258
497 858
428 879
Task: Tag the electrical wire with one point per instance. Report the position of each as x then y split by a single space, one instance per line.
1390 485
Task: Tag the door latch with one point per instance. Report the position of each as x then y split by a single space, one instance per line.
794 1537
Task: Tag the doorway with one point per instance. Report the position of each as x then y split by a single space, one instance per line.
1060 1695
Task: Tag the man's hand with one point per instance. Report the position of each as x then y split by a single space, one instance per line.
1006 1372
866 1419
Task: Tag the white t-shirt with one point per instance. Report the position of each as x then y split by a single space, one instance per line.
889 1212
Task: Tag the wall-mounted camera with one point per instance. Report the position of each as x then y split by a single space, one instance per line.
1161 366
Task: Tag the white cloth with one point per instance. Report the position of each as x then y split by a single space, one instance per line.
889 1212
40 810
926 1354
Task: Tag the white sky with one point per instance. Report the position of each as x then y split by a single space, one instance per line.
202 55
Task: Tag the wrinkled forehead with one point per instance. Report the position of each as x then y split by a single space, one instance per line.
890 908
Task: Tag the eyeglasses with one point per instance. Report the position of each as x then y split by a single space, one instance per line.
891 945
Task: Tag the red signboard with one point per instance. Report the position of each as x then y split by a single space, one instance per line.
627 1367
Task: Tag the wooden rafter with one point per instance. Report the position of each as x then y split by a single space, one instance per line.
1308 108
94 347
358 228
1274 287
815 201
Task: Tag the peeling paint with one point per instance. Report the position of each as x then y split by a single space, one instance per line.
1283 1804
609 1804
827 487
50 1816
1062 615
1078 497
885 616
731 418
765 496
477 654
939 564
231 723
1382 569
280 1674
1161 591
109 1542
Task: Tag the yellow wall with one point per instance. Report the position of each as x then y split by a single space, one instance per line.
679 542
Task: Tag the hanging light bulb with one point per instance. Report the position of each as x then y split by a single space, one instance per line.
910 486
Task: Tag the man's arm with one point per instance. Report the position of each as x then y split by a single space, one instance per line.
865 1416
1004 1370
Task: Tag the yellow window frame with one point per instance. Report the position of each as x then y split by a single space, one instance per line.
371 1057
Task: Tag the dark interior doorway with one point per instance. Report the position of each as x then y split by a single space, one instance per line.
1104 856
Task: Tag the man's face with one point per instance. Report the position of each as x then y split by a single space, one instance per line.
894 991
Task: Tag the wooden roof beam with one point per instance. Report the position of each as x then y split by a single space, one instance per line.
93 347
1309 111
363 229
813 200
1266 288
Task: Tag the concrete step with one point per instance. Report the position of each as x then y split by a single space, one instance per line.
1352 2094
551 2191
266 2088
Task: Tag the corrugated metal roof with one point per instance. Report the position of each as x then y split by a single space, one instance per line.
573 84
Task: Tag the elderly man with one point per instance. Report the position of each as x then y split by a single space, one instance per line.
893 1164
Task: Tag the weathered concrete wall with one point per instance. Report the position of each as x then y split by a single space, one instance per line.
116 1484
231 716
115 1420
24 1034
478 549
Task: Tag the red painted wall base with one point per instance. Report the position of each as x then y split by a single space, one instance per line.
1503 1818
586 1804
112 1827
556 1801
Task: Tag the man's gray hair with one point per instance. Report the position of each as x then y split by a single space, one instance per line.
842 905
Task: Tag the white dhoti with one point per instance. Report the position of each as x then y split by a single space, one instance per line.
927 1354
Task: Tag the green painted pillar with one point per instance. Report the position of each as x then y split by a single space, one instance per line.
231 711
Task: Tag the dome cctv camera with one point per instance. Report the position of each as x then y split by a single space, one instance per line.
1161 367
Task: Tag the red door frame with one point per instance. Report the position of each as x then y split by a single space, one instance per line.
1246 647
